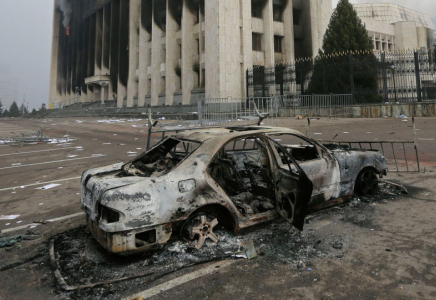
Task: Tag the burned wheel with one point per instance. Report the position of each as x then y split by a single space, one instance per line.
367 183
201 228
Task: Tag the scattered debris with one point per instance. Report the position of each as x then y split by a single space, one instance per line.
9 217
8 242
49 186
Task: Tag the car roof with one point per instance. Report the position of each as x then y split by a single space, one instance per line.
228 133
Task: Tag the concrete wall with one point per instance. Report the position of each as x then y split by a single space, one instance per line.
373 111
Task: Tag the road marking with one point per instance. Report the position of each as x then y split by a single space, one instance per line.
38 224
181 280
18 153
34 184
52 162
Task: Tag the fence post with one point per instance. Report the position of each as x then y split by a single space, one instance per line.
384 75
323 73
418 77
351 61
247 82
263 80
302 77
200 112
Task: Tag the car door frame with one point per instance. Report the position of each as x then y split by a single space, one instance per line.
325 168
292 200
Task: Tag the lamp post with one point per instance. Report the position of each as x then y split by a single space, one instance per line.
393 78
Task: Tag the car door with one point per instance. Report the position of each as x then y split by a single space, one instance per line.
318 164
292 186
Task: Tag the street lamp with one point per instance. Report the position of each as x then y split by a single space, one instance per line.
393 78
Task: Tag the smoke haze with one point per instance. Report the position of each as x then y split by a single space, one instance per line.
25 46
67 9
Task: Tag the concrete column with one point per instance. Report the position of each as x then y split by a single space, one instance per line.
114 48
54 72
132 86
268 33
188 52
247 43
98 42
288 24
157 53
91 57
123 55
223 49
172 80
105 61
144 56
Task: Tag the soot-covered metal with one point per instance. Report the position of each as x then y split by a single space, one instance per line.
237 177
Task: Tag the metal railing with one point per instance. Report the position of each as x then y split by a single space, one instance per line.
318 105
397 153
238 111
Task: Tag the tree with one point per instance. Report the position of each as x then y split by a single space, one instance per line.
346 63
6 114
23 110
14 111
43 108
1 108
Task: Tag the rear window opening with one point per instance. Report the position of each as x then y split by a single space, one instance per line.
161 159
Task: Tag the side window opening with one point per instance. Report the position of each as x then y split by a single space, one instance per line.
300 149
242 169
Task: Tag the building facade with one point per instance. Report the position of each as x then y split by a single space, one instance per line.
171 52
393 27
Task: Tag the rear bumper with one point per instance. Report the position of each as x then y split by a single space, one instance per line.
134 241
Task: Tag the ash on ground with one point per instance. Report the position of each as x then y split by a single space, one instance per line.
83 261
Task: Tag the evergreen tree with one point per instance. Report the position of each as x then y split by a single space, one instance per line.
1 108
14 111
6 114
346 63
23 110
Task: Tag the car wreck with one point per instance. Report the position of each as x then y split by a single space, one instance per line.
238 177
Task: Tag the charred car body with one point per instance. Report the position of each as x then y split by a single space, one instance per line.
238 177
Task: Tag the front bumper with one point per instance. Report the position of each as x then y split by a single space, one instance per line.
133 241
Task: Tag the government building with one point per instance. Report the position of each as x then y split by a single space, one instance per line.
173 52
393 27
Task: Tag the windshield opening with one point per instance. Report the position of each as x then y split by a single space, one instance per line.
161 159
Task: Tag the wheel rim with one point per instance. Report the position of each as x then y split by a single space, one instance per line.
369 183
202 230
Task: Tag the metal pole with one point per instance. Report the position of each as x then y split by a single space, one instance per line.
418 78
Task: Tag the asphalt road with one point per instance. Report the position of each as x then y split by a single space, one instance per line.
367 270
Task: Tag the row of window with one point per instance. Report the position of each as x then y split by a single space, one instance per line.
257 12
257 43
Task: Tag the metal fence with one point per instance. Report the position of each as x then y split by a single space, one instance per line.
238 111
370 77
318 105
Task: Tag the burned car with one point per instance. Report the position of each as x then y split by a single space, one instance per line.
237 177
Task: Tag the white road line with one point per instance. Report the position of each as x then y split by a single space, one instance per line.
181 280
35 184
38 224
51 162
18 153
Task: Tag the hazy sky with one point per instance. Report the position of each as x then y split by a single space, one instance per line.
25 45
25 41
